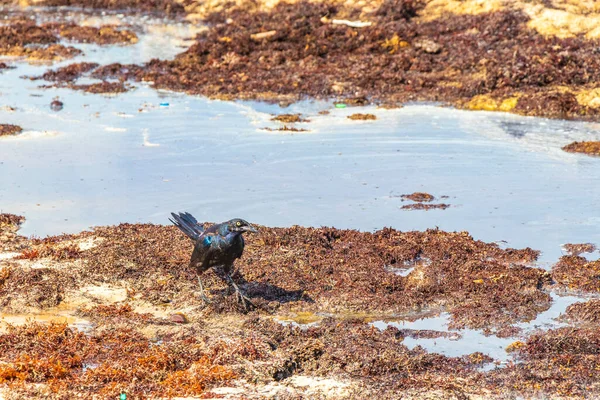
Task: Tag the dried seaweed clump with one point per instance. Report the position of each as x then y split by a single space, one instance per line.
9 226
419 197
586 312
69 73
331 269
362 117
55 52
103 87
285 128
32 288
58 252
560 362
347 269
589 148
289 118
116 71
491 60
577 273
104 35
421 206
8 129
353 348
575 249
25 39
104 364
169 7
11 219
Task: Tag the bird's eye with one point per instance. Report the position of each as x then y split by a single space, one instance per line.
238 223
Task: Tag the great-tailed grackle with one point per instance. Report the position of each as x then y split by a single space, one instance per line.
215 247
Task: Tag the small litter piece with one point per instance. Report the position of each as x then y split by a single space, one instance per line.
352 24
178 318
3 65
165 104
56 105
262 35
340 105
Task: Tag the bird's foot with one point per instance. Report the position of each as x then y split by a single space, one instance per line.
240 296
244 300
205 299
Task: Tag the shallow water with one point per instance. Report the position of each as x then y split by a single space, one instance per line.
61 315
110 159
474 340
459 342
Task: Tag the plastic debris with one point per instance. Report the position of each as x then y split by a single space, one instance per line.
164 104
352 24
56 105
262 35
340 105
178 318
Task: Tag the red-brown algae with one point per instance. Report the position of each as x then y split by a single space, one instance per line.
476 61
340 272
9 130
589 148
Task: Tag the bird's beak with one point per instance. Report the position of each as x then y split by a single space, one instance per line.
250 228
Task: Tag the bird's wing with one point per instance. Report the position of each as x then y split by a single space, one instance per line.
207 251
188 225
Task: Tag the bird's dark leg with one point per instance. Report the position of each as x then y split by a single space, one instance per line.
241 297
202 295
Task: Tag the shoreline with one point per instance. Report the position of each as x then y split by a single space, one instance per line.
405 52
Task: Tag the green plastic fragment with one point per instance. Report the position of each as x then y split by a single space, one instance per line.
340 105
123 396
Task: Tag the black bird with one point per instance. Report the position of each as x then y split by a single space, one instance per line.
216 247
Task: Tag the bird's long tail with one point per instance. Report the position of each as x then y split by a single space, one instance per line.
187 224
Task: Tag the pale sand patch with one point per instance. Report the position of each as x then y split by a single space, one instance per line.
328 388
198 10
56 315
45 263
577 6
486 103
89 243
589 98
564 19
561 23
82 244
323 386
98 293
440 8
8 255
